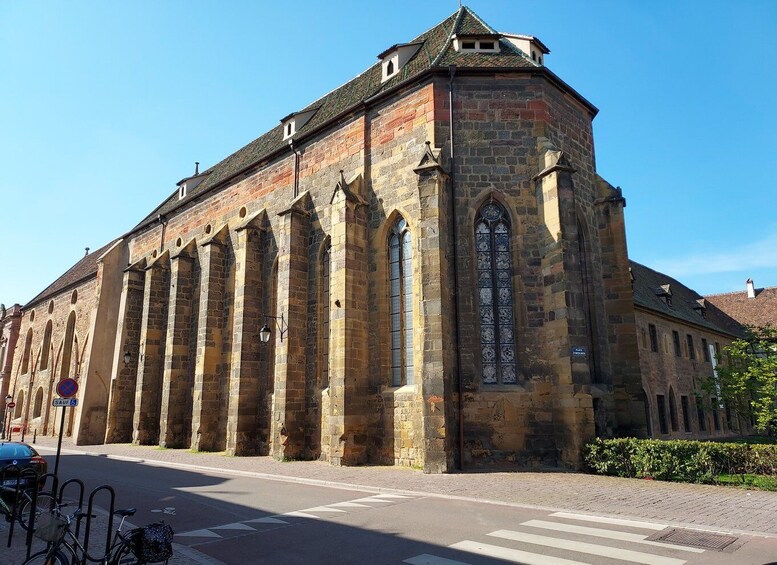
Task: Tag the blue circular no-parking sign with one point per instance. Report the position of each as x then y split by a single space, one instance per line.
67 387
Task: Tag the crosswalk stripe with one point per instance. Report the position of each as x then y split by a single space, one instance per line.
398 496
593 549
426 559
349 505
609 534
301 515
372 499
267 520
235 526
199 534
322 509
515 555
613 521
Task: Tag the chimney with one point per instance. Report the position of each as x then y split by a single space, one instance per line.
196 168
750 289
87 251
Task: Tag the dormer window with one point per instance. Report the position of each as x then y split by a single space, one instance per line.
665 292
182 191
295 122
700 307
395 58
192 182
476 44
532 47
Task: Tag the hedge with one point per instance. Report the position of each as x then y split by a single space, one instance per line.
678 460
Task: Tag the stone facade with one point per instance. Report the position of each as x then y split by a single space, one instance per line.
443 274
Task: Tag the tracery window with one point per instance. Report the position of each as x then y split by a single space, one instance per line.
401 303
495 295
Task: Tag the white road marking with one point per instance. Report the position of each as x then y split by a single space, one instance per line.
515 555
614 521
266 520
609 534
301 515
349 505
390 496
235 526
199 534
322 509
426 559
593 549
372 499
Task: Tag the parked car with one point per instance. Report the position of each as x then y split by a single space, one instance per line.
16 457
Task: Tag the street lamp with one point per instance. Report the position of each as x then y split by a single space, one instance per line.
280 322
127 358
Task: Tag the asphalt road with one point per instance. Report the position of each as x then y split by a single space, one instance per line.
231 518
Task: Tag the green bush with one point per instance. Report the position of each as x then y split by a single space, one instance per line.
679 460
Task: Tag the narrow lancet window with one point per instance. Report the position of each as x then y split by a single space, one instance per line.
401 303
495 295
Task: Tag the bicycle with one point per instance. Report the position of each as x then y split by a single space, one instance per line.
16 503
131 547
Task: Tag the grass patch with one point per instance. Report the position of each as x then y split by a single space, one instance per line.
758 482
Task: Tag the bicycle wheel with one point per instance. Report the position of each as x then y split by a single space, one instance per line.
44 557
44 503
123 555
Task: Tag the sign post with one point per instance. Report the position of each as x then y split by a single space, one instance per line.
66 388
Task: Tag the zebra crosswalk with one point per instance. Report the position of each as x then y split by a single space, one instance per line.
567 539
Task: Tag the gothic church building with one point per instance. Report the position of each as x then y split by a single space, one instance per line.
439 271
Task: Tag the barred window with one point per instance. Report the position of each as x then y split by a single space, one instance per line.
495 295
401 303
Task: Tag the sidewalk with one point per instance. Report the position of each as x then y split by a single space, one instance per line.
696 506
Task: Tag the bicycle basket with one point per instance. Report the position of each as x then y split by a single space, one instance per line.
50 527
152 543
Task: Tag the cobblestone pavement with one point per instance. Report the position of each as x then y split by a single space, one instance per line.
700 506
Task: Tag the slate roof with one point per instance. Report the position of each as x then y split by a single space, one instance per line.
758 311
85 269
648 281
436 52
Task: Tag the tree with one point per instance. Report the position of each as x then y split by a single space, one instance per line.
746 378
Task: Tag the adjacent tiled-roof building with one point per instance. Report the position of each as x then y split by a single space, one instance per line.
751 307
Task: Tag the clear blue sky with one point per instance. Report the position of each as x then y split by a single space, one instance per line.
104 106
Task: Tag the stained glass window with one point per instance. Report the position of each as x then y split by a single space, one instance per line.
401 303
495 296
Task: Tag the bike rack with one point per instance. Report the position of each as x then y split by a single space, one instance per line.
109 531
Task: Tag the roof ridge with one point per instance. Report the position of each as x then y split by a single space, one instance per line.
478 18
444 48
762 288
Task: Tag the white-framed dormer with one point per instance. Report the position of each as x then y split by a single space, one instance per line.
294 122
186 185
395 57
530 45
476 43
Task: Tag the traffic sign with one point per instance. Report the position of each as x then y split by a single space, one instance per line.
11 404
65 402
67 387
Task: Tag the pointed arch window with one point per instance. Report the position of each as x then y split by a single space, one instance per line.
26 355
401 303
38 403
324 297
495 295
44 354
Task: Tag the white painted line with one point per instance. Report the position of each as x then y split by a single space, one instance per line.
301 515
372 499
267 520
609 534
235 526
199 534
614 521
323 509
593 549
390 496
514 555
349 505
426 559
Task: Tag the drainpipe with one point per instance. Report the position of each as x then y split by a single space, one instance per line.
163 221
296 167
452 72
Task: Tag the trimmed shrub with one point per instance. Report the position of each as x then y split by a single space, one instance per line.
678 460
